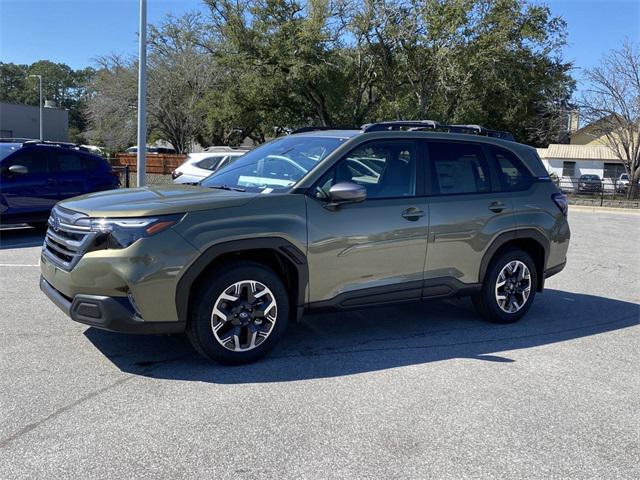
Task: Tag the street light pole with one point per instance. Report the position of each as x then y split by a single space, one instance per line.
142 95
39 77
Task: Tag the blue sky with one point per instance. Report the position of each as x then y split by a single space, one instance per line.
77 31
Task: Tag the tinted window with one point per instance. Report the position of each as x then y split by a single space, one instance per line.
385 169
68 162
35 160
513 175
458 168
209 163
92 163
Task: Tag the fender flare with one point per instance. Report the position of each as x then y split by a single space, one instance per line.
518 234
277 244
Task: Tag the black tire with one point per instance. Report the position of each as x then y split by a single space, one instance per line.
486 302
199 327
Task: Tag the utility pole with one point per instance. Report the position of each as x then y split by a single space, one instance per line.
142 96
39 77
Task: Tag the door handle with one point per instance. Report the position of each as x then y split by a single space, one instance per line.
412 214
497 207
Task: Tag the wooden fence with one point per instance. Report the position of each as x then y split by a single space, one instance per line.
158 163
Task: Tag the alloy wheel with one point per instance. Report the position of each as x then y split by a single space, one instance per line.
513 286
244 315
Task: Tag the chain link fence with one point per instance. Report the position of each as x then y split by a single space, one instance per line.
128 177
158 171
593 191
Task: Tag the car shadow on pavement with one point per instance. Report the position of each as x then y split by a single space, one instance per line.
20 237
360 341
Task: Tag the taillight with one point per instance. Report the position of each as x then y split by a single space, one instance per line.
175 174
562 202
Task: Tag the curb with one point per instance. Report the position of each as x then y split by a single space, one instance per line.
593 209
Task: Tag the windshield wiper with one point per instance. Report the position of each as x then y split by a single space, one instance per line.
227 187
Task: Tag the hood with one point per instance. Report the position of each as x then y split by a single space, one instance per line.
156 200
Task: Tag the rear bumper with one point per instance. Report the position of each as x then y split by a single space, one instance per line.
549 272
107 313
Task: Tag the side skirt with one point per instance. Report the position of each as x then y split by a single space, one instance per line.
436 288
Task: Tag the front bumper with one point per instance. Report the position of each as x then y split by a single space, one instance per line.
108 313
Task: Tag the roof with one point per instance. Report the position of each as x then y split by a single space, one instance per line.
577 152
331 133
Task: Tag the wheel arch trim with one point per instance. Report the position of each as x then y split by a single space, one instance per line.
278 245
514 235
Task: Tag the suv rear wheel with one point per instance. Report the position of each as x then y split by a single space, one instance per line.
240 315
508 288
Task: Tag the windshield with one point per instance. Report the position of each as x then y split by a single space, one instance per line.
7 149
275 166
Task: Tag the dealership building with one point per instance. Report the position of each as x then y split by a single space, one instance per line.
23 121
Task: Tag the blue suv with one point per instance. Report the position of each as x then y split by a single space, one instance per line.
34 176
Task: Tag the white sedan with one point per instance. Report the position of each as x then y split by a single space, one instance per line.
198 166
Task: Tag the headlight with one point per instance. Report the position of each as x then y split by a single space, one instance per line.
122 232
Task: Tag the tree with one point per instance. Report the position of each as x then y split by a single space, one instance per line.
112 103
60 83
611 103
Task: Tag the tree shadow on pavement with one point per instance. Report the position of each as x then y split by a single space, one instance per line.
360 341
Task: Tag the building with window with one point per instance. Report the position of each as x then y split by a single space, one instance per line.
23 121
585 154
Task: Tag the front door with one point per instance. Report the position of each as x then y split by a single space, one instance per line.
370 252
467 211
27 195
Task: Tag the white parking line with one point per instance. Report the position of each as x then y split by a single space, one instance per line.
18 265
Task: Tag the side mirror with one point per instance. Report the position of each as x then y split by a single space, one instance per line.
18 170
346 192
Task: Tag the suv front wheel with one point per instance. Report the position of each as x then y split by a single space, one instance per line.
239 315
509 287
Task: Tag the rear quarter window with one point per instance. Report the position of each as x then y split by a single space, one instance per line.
513 175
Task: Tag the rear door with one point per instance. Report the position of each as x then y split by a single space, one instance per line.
467 212
29 194
370 252
69 172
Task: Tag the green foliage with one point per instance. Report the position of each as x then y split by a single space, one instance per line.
60 83
259 68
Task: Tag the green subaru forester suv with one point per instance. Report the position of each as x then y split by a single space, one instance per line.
316 220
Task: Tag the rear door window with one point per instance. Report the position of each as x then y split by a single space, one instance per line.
458 168
68 162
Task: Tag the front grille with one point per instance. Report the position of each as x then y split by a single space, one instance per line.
68 237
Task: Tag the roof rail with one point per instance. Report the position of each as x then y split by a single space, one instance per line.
224 148
399 124
479 130
413 125
56 144
313 129
14 140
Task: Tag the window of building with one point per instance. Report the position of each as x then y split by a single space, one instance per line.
568 169
458 168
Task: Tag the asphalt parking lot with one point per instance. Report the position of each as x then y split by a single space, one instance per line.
418 391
